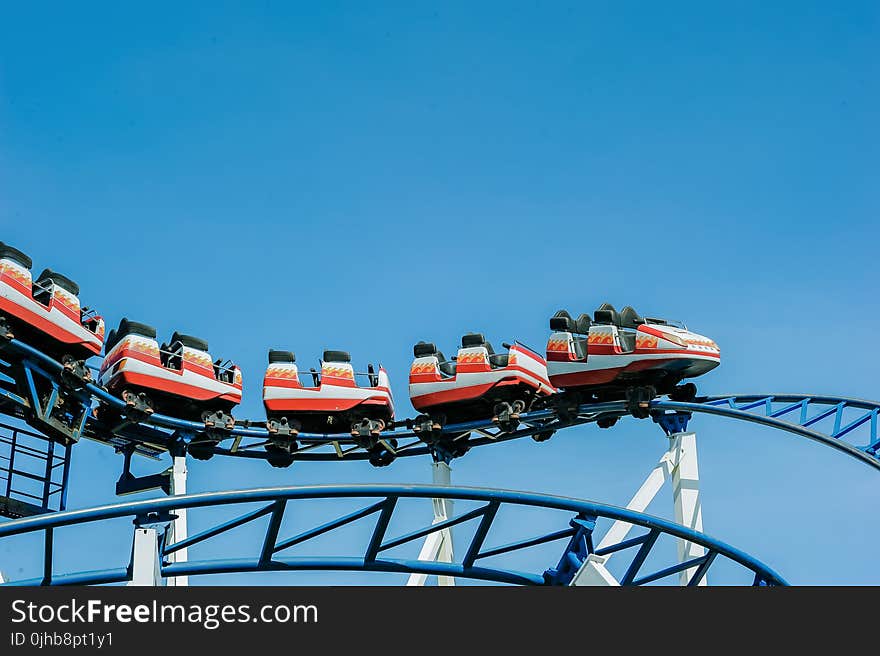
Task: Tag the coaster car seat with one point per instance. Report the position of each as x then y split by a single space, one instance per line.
583 324
496 360
606 314
629 323
8 252
127 327
189 341
562 322
42 286
629 318
281 356
427 349
472 340
337 356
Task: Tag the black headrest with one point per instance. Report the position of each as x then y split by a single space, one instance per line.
337 356
189 341
606 314
562 322
473 339
62 281
476 339
629 318
127 327
281 356
583 323
110 340
424 349
10 253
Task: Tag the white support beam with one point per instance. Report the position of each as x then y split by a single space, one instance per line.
445 556
431 553
593 572
686 498
178 530
145 566
678 465
441 474
641 500
438 546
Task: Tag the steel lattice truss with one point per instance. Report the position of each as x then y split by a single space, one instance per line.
847 425
33 472
380 504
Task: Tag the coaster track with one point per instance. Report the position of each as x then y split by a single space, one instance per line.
823 419
844 424
578 521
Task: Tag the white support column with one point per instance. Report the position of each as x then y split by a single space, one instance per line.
438 546
686 498
642 499
442 475
678 464
177 530
145 569
430 552
593 572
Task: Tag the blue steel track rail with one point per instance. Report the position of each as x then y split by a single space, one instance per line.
799 414
381 503
840 416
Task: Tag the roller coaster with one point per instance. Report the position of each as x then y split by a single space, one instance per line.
54 391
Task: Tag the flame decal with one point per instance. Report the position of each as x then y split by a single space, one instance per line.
646 341
557 346
198 358
471 358
338 372
17 273
66 299
281 372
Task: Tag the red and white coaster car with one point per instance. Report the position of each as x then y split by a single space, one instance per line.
477 384
334 402
624 356
45 313
177 379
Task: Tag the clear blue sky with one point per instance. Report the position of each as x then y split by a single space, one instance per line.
307 175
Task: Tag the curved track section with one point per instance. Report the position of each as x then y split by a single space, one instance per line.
378 504
824 419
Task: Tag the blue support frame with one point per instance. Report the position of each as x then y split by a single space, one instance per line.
30 480
575 554
584 516
672 422
68 424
